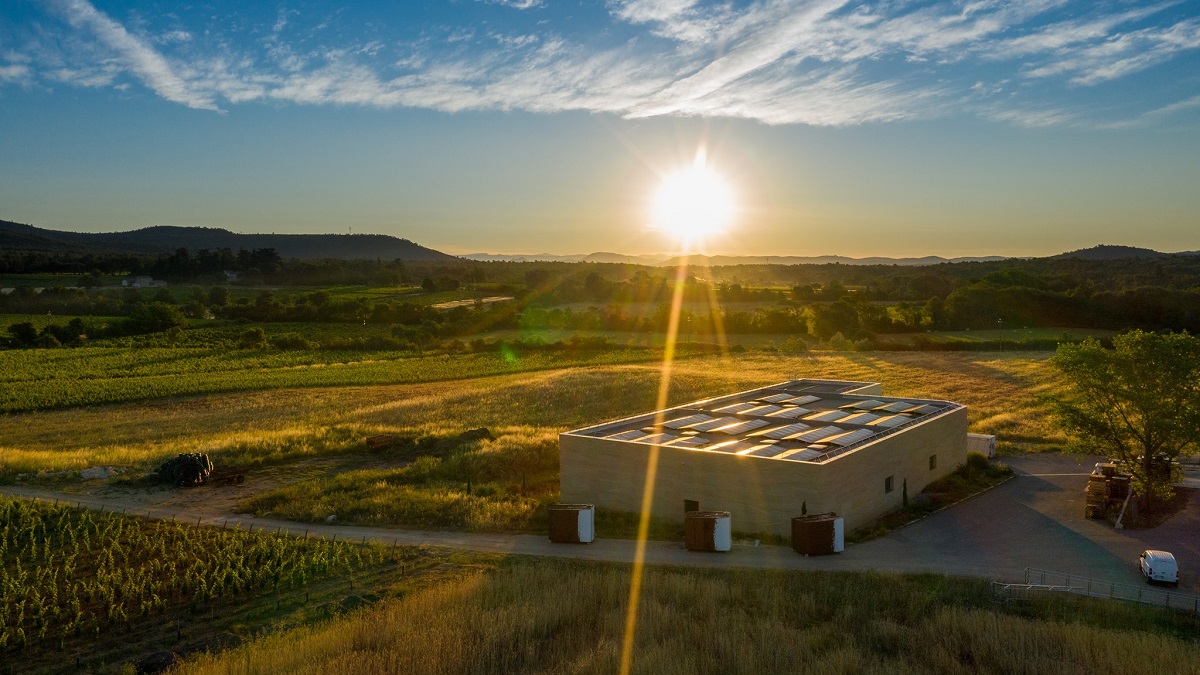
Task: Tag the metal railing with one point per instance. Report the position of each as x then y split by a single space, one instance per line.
1003 591
1096 588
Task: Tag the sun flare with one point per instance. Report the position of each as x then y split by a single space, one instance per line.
693 203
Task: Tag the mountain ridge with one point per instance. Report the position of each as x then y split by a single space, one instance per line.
166 239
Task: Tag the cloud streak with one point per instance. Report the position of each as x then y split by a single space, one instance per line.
817 62
136 54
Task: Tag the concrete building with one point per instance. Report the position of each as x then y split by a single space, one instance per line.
766 453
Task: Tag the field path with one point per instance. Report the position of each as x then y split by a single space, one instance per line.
1033 520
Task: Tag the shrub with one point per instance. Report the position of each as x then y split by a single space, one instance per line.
291 341
252 338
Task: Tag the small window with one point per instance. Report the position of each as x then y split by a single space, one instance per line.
888 484
932 462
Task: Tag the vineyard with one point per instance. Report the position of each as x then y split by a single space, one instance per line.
62 378
69 575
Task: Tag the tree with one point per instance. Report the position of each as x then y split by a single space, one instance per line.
154 317
1138 403
218 296
24 333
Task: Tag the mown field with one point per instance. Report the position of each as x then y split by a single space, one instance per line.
556 617
425 481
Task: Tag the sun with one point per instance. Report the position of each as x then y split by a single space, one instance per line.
693 203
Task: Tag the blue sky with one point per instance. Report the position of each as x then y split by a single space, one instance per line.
873 128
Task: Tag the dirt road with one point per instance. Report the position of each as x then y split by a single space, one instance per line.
1033 520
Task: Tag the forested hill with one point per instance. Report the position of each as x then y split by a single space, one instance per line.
1110 252
166 240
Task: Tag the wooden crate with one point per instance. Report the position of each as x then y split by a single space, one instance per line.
380 442
707 531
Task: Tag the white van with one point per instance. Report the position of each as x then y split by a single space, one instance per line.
1159 566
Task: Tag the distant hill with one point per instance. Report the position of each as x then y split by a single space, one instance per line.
155 240
1110 252
600 257
719 260
716 260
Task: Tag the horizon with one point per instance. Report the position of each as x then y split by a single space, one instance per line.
894 130
659 255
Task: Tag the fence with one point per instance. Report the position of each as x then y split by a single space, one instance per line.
1042 582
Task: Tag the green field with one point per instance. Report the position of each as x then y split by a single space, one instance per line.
43 379
52 280
72 580
1010 336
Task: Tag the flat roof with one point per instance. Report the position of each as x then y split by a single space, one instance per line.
797 421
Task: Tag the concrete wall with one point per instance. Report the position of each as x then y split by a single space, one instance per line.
763 494
855 481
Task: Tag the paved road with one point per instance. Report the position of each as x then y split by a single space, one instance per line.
1033 520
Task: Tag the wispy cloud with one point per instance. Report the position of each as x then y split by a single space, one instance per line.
136 54
517 4
819 62
15 73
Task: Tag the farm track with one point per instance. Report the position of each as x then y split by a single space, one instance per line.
1032 521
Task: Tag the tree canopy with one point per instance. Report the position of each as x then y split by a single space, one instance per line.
1138 403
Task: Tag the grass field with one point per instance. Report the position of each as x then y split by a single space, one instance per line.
42 379
556 617
524 411
1013 336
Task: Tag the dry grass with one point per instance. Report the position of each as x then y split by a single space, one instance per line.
542 617
1002 392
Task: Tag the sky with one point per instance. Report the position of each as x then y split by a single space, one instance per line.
895 128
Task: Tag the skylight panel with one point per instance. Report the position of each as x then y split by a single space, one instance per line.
864 405
803 400
788 413
815 435
687 442
828 416
923 409
763 431
777 398
889 422
784 432
735 407
895 406
731 447
764 450
762 410
801 455
859 418
850 438
714 424
657 439
742 427
681 422
630 435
